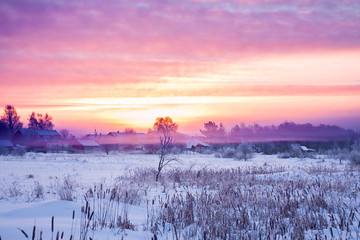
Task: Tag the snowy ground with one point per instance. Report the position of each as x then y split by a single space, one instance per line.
23 177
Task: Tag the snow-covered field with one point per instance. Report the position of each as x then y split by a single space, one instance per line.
32 186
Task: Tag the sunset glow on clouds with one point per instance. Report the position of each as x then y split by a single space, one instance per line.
113 64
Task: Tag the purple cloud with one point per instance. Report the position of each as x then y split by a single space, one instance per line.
179 28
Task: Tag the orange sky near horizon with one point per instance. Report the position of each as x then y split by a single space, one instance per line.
123 64
267 91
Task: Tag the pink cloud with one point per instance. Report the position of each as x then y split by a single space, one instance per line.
186 29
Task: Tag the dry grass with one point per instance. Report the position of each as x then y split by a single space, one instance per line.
237 204
66 189
264 202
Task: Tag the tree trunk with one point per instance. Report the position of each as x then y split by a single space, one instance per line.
157 176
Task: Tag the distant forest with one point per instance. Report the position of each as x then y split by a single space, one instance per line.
289 131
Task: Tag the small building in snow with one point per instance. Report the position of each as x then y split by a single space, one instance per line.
116 134
85 145
305 149
123 138
139 148
59 145
197 147
35 138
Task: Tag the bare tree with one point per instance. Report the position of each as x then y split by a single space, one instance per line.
166 143
64 133
165 127
130 131
10 119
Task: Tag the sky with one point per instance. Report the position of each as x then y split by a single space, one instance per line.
108 65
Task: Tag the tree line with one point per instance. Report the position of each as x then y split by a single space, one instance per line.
10 122
284 131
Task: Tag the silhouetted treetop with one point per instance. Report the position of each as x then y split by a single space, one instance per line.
10 119
64 133
130 131
164 124
38 121
213 131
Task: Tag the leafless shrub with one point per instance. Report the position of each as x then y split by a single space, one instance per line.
141 176
14 190
66 189
245 151
208 151
242 151
338 153
285 155
228 152
355 157
38 191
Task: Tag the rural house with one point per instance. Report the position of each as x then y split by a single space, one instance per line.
35 137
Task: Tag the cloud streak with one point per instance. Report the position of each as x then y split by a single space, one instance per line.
182 28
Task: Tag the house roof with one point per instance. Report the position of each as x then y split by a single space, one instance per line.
88 143
116 134
5 143
39 132
305 149
190 145
197 144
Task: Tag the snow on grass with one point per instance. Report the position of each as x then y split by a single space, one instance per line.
32 186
